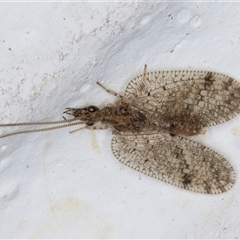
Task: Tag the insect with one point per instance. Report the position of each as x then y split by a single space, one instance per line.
152 121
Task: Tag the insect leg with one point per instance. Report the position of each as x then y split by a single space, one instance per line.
102 127
110 91
144 72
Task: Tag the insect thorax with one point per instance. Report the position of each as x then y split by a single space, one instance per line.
123 117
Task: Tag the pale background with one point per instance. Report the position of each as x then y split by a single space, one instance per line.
61 185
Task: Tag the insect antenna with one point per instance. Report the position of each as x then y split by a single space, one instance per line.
68 123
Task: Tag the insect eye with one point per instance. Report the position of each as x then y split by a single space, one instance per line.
92 109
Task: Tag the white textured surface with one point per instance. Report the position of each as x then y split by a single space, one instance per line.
61 185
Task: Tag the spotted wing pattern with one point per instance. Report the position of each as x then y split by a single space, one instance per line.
185 98
175 160
186 102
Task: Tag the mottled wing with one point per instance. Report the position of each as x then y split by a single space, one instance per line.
183 98
175 160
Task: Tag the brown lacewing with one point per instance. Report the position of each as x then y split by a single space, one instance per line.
151 123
